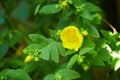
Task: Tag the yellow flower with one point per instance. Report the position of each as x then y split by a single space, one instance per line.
71 38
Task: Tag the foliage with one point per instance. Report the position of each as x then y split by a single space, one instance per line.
45 56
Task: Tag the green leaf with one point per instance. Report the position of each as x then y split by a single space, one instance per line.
76 3
68 74
54 55
72 61
91 7
86 14
115 54
37 9
50 77
64 21
18 74
98 62
3 50
85 50
111 38
93 31
50 9
97 19
32 49
45 53
60 48
88 43
106 34
104 55
99 43
116 63
39 39
30 66
69 52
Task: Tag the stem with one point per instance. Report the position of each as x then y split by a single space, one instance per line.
114 30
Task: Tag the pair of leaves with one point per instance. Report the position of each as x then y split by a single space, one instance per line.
51 52
63 74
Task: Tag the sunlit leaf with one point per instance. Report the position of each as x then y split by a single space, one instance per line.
117 65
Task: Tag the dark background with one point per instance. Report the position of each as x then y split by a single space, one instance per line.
112 12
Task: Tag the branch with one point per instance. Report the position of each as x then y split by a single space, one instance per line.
114 30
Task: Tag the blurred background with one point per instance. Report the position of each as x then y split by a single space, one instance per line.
18 20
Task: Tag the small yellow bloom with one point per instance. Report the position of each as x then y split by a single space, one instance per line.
28 58
71 38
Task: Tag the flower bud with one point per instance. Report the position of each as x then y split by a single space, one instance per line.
85 33
28 58
80 59
64 4
85 67
36 58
